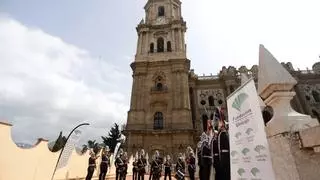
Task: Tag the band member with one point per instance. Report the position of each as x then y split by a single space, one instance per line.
142 163
167 168
126 161
215 154
191 165
105 163
224 153
199 158
120 166
156 166
206 158
135 167
92 165
180 168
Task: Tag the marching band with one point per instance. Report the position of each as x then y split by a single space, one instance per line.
212 153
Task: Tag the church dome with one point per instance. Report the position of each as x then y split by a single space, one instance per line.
316 67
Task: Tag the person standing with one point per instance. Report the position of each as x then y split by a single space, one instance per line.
120 166
156 166
206 158
125 160
142 163
135 167
167 168
105 163
180 168
199 145
224 151
92 165
215 154
191 165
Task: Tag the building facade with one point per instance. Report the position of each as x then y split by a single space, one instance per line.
169 102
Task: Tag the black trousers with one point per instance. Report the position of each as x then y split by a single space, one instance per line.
141 176
103 172
167 172
90 171
206 170
134 175
191 174
120 175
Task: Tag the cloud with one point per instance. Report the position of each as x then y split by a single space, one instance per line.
48 85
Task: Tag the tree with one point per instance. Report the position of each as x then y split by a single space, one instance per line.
59 143
112 139
91 145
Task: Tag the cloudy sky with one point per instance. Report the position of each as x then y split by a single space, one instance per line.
67 62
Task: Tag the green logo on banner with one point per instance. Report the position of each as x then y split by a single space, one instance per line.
241 171
249 130
239 100
245 151
258 148
234 153
255 171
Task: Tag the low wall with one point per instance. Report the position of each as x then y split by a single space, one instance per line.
36 163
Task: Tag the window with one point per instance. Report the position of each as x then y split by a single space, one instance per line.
211 101
315 113
169 46
231 89
151 48
158 120
159 86
160 11
204 122
160 45
316 96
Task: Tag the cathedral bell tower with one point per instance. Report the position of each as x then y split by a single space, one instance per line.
160 116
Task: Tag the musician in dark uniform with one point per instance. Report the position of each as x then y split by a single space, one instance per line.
135 167
142 163
180 168
105 163
199 158
215 154
167 168
206 157
191 165
224 151
156 166
92 165
120 166
126 161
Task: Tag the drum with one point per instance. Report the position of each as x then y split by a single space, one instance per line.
179 174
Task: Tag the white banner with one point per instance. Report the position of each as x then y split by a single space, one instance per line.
67 151
249 150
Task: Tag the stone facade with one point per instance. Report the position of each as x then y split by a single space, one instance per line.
169 101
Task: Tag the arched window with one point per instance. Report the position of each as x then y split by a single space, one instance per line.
231 89
169 46
158 120
204 122
316 96
159 86
316 114
151 47
211 101
160 11
160 45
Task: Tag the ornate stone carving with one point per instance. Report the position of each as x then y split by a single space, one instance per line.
316 68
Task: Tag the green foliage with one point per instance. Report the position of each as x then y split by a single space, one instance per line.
60 142
91 145
112 139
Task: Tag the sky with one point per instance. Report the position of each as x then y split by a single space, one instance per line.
67 62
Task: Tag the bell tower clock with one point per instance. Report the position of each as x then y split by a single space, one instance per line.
160 116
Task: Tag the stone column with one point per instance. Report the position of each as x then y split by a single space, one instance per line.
139 44
276 89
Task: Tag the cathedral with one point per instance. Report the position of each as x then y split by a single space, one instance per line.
170 103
